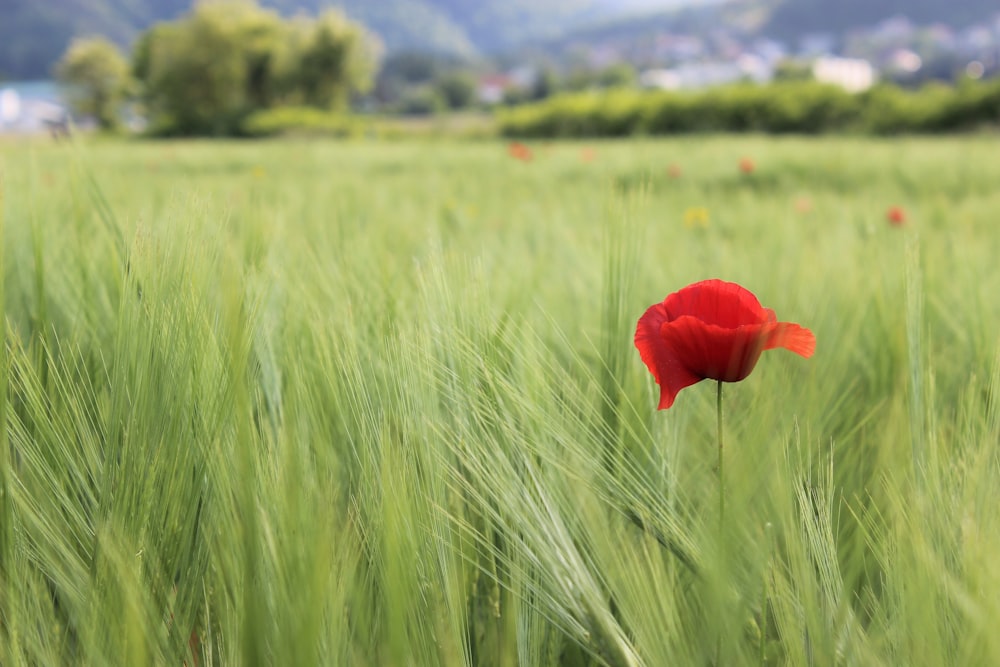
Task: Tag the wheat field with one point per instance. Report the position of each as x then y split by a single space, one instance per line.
377 403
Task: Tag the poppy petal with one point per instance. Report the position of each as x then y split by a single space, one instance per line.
710 351
660 358
792 337
717 302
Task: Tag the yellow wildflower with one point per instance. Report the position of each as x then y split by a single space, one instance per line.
696 216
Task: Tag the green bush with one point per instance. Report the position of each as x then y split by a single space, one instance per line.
800 107
671 113
620 114
301 121
809 108
422 101
971 106
891 110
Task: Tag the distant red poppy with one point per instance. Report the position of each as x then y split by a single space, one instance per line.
519 151
711 329
588 155
896 215
747 166
674 171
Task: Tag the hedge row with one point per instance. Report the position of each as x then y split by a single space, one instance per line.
304 121
786 107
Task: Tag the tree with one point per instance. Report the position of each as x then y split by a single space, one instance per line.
619 75
336 59
404 70
268 58
457 89
208 71
545 84
96 74
421 101
793 70
194 71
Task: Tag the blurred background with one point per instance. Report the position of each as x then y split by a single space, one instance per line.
237 67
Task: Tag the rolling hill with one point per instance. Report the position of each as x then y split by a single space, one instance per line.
34 33
795 17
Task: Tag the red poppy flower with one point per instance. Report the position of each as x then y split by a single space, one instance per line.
711 329
747 166
896 215
674 171
519 151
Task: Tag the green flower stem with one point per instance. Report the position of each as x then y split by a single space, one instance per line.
722 488
722 505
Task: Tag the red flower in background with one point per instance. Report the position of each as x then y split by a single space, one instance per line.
519 151
747 166
896 215
674 171
711 329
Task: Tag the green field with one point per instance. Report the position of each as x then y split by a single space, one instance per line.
363 403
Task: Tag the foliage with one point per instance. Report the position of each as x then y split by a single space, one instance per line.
545 84
619 75
301 121
261 411
457 89
406 74
780 107
934 108
421 101
972 106
97 75
195 80
892 110
205 73
335 60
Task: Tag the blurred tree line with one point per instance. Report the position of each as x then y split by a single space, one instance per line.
230 67
207 72
789 106
421 82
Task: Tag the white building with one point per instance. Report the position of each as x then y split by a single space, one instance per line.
31 107
10 107
852 74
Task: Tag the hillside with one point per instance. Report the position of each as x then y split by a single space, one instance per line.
34 33
458 26
795 17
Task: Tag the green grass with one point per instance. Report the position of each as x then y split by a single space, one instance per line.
378 404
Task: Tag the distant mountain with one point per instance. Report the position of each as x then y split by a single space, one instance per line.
461 26
34 33
790 18
482 26
785 20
